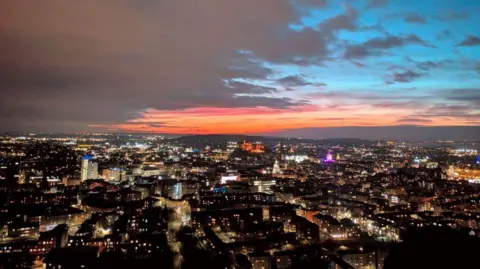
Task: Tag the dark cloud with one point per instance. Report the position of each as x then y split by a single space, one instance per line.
358 64
66 65
340 22
303 47
320 84
470 40
345 21
262 101
427 65
467 96
239 87
312 3
376 3
414 18
402 77
294 80
462 110
386 103
414 121
408 133
444 34
451 15
243 67
375 45
394 41
357 52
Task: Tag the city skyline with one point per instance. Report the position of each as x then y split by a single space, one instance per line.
248 67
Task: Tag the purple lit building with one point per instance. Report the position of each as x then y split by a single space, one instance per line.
329 158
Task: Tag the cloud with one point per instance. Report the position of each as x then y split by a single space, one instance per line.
375 45
402 77
427 65
262 101
312 3
345 21
444 34
304 47
243 67
72 64
394 41
357 52
414 18
414 121
358 64
67 65
320 84
461 111
239 87
293 80
451 15
469 41
376 3
466 96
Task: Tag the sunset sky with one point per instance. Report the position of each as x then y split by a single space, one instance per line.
237 66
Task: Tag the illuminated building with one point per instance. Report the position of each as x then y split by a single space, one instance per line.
297 158
252 147
89 168
468 174
229 176
329 158
260 260
457 173
264 185
364 260
231 146
276 168
329 226
113 174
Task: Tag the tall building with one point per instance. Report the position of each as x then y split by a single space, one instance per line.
89 168
329 156
281 150
276 168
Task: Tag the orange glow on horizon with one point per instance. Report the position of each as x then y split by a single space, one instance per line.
210 120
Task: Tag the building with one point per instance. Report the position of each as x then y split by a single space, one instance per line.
328 225
252 147
55 238
276 168
265 186
230 175
23 230
260 260
113 174
89 168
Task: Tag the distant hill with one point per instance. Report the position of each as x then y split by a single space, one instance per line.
199 141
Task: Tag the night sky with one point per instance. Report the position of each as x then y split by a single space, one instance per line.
237 66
